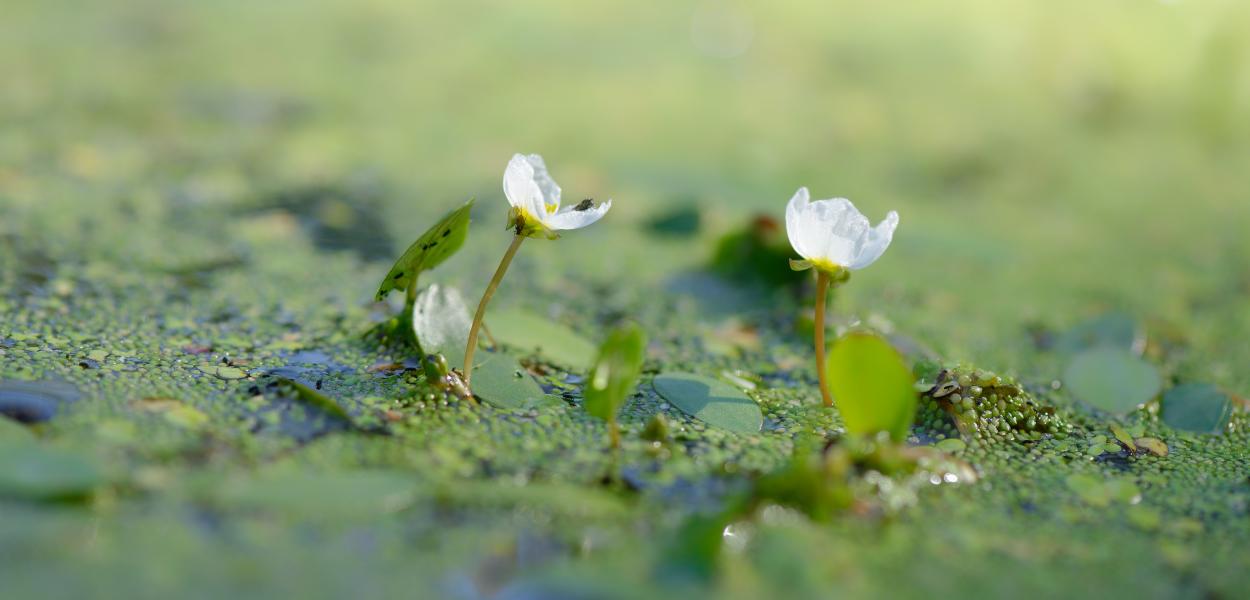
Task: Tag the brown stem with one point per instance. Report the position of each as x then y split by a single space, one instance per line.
822 288
481 307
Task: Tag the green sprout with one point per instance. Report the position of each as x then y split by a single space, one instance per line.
615 375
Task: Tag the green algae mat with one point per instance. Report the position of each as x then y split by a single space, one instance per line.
204 395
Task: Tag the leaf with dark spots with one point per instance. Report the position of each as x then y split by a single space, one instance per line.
434 246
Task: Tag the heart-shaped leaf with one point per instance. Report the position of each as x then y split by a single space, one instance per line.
1197 407
872 385
529 332
711 401
1111 379
615 372
441 321
434 246
500 380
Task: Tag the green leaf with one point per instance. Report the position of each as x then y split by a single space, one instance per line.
615 372
871 385
441 321
529 332
1111 379
35 472
500 380
434 246
711 401
312 397
1197 407
1110 330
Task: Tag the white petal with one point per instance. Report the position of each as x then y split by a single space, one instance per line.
796 211
546 185
876 242
519 186
831 229
570 218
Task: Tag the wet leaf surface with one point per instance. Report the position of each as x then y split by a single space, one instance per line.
1111 379
441 321
500 380
615 372
711 401
872 386
1196 407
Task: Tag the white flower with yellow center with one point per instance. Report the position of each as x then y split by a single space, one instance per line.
832 235
833 238
535 200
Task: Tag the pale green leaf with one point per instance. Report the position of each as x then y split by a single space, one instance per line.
871 385
615 372
434 246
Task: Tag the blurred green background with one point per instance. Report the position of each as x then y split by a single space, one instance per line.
165 161
1049 159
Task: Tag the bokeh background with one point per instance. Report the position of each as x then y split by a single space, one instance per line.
1049 159
241 174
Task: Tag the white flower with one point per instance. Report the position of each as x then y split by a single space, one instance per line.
535 199
832 235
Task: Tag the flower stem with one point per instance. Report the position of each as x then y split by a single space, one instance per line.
822 289
481 307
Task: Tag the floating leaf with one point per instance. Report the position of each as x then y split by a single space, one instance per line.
434 246
1197 407
872 385
35 472
441 321
1153 445
530 332
313 397
1110 330
711 401
1111 379
1124 437
500 380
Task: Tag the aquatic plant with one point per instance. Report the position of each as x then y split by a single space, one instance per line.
833 238
535 200
615 375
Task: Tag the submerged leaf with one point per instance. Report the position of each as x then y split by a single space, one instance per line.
500 380
1197 407
441 322
711 401
872 386
530 332
615 372
434 246
1111 379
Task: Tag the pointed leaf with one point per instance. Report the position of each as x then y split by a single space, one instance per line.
434 246
615 372
711 401
872 386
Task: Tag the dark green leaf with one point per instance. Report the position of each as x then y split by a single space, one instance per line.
434 246
711 401
872 386
615 372
441 321
1111 379
529 332
500 380
1197 407
312 397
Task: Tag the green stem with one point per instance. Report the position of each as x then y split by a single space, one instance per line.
481 307
822 289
